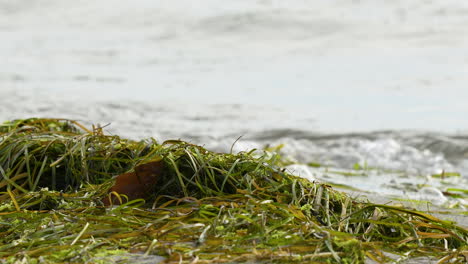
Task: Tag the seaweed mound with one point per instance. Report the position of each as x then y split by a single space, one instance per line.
198 206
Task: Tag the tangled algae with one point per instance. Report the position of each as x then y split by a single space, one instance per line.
203 207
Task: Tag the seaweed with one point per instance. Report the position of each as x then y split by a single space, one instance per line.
205 207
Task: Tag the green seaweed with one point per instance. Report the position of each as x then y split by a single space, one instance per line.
206 208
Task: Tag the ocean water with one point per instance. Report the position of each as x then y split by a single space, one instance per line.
376 85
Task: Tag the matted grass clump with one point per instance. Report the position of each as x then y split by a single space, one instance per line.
205 208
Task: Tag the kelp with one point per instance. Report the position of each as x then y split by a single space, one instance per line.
205 207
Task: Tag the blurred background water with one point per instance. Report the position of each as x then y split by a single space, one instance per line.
377 83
